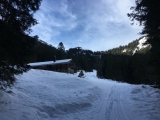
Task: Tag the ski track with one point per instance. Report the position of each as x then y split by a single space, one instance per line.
112 107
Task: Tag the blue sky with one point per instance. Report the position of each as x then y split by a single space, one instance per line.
97 25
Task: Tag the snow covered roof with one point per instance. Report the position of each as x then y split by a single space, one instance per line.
49 62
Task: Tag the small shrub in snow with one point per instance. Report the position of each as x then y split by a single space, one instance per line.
81 74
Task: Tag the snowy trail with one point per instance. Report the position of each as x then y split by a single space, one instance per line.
46 95
104 104
112 105
121 102
115 107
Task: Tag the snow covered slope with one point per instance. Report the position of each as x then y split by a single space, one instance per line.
134 46
46 95
142 44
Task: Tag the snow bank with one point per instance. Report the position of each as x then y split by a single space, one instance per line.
46 95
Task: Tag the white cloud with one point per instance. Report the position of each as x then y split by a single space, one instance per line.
50 25
95 25
108 26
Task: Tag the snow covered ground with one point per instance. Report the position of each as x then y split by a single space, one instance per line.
46 95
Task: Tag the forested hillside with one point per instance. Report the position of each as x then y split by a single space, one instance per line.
121 63
83 59
43 51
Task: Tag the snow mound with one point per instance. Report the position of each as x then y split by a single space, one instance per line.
45 95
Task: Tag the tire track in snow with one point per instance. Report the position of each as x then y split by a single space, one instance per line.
117 111
104 105
112 107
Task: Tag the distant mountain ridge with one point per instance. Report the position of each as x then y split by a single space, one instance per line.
137 46
143 44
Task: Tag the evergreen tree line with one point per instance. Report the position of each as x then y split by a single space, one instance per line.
43 51
112 64
134 69
83 59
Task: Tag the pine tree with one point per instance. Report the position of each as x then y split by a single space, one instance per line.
147 13
81 74
61 46
16 20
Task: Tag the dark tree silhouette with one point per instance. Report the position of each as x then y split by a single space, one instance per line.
16 20
147 13
61 46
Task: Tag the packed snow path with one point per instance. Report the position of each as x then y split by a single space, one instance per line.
46 95
112 106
